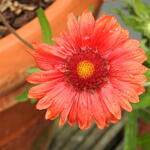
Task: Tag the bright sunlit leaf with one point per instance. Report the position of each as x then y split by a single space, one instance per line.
33 70
45 26
23 96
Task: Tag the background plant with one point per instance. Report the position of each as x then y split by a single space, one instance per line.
138 19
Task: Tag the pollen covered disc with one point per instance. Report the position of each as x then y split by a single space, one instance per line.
85 69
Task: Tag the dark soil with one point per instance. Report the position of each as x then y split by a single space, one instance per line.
19 12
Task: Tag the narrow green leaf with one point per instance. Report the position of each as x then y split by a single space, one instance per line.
91 8
130 137
23 96
33 70
142 10
45 26
144 140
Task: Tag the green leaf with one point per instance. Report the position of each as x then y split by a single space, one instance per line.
23 96
142 10
32 100
91 8
130 10
130 137
144 141
144 114
33 70
132 21
46 30
144 100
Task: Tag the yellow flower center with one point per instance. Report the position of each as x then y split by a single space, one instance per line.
85 69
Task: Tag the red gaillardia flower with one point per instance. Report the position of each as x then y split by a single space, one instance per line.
91 72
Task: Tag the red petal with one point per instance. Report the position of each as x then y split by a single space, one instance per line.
110 101
129 67
84 113
45 58
41 90
41 77
136 79
67 107
48 51
128 90
66 45
108 115
110 33
87 24
120 55
58 102
73 27
122 101
97 110
47 100
72 117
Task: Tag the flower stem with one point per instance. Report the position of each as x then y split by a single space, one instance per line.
12 30
130 137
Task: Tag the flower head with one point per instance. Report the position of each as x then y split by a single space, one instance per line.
91 72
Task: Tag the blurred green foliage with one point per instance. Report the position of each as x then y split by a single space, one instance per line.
138 19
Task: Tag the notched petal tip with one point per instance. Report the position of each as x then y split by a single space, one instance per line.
48 113
31 95
29 79
87 13
101 127
129 109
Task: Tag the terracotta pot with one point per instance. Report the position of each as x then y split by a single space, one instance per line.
21 126
20 123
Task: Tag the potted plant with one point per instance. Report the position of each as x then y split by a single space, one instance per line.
20 123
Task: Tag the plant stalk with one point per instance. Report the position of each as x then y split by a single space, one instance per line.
12 30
